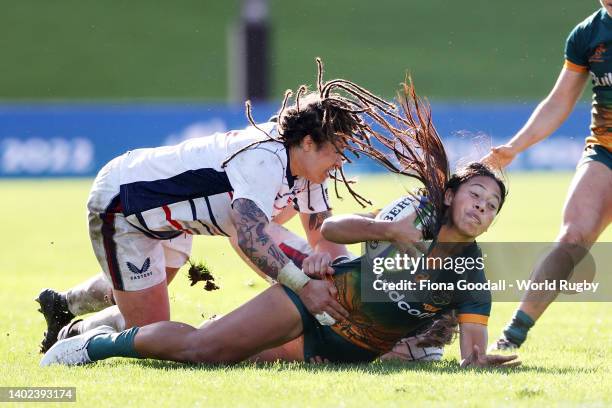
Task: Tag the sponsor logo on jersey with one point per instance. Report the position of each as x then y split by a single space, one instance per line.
605 80
411 309
598 54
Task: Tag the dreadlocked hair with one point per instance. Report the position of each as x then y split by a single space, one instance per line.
418 152
412 147
441 332
334 113
307 118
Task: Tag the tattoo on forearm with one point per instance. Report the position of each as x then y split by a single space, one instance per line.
315 221
254 241
262 237
276 253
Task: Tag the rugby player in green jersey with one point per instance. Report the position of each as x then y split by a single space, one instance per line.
276 325
588 206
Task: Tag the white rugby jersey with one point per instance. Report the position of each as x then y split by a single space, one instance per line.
169 190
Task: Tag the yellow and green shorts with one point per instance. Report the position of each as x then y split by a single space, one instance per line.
598 153
322 341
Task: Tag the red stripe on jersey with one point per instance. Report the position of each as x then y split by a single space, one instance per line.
296 256
174 223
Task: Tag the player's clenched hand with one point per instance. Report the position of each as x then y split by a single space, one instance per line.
403 234
481 359
499 156
320 296
317 265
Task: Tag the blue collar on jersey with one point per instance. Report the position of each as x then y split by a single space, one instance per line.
290 177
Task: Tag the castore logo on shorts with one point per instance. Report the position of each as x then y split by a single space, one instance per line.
140 272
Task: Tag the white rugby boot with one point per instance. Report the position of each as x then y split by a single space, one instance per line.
407 350
503 344
73 351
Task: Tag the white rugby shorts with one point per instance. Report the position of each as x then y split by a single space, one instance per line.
130 259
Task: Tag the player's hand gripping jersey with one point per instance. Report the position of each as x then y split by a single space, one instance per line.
589 49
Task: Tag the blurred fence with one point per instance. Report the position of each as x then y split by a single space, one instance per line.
58 140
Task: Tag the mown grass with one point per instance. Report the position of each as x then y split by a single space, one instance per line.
45 243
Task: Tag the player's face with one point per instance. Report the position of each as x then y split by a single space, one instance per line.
474 205
320 160
607 4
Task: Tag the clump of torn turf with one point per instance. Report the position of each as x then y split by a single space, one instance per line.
199 272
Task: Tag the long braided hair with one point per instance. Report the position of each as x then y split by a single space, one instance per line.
336 112
356 121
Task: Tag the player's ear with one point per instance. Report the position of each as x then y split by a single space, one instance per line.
448 197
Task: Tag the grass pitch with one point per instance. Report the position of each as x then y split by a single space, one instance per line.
45 244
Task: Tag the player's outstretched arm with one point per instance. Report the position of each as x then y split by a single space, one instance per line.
544 120
473 343
354 228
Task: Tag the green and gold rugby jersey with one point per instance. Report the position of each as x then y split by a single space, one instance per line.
378 325
589 49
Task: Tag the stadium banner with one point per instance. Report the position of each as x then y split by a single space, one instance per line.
66 140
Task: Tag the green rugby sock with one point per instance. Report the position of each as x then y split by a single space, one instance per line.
517 330
113 345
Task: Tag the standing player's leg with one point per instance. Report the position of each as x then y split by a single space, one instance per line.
586 214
